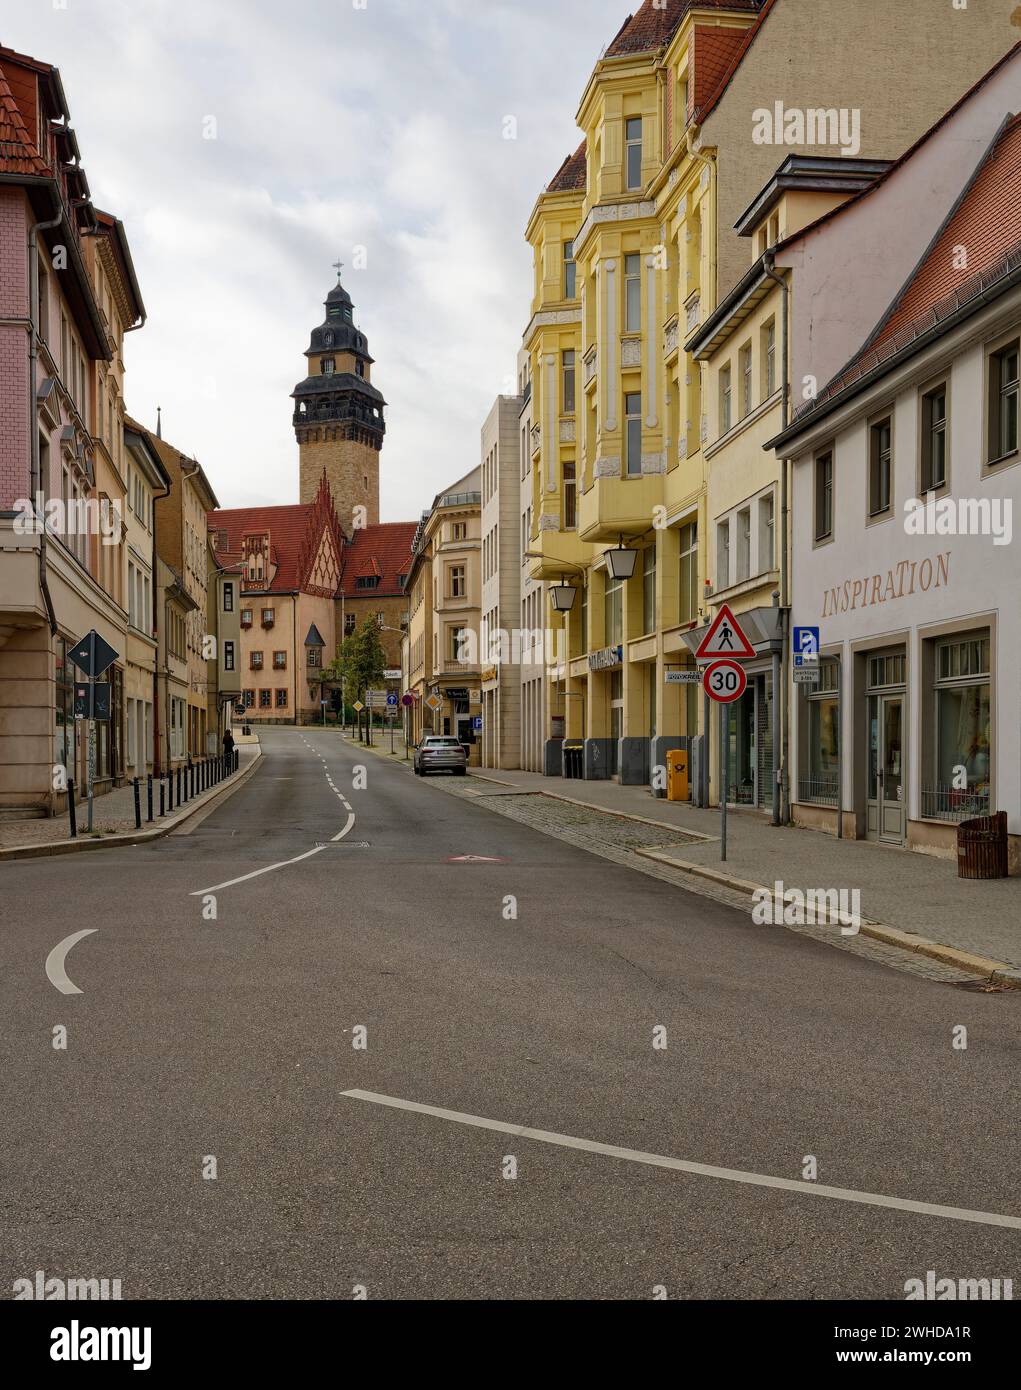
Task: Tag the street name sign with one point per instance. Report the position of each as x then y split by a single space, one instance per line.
725 639
683 677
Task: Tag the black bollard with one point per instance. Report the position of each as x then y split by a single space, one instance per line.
148 796
163 797
138 804
70 809
178 787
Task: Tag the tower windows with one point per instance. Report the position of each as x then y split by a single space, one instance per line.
328 366
328 337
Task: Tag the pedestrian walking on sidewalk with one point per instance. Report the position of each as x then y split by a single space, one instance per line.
228 744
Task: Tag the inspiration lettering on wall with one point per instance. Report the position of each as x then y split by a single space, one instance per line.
904 579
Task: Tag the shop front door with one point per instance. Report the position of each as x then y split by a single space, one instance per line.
887 774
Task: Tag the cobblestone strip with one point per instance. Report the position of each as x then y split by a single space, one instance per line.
614 838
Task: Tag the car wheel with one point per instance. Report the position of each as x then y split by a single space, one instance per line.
462 772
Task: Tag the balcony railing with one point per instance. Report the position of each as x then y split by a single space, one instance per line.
819 789
954 804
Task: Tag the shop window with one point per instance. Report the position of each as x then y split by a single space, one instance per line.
820 711
962 750
887 672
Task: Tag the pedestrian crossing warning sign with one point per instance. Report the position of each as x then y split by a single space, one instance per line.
725 638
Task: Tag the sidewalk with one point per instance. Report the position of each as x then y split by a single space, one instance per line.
913 893
913 901
114 815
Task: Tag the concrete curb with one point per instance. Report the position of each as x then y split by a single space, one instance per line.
997 972
206 802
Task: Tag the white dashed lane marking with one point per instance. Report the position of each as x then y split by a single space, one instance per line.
298 858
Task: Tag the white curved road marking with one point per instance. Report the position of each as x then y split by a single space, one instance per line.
55 972
703 1170
284 863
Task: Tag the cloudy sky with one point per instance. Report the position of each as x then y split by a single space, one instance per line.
338 124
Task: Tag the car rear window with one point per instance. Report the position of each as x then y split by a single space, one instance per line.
443 743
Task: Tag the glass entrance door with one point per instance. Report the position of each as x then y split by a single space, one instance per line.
887 780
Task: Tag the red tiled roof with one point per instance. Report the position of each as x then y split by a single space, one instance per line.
285 526
384 550
987 223
655 24
715 52
705 103
18 154
571 173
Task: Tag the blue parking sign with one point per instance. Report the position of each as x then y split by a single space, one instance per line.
477 723
806 645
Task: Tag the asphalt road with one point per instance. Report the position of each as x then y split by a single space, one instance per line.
232 1038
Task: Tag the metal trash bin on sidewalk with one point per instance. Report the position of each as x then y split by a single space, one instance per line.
574 760
982 847
677 788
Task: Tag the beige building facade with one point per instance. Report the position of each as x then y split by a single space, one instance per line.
500 635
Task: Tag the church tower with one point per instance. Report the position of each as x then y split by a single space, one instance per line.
338 416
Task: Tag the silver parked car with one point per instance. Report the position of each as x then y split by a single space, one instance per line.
440 753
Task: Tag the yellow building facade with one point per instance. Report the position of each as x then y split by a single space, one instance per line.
636 249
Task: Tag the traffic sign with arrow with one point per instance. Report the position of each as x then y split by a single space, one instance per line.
725 639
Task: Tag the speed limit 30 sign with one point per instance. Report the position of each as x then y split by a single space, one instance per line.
725 681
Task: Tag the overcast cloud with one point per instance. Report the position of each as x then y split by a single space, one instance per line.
338 124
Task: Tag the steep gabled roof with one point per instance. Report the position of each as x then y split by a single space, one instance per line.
285 527
716 52
571 174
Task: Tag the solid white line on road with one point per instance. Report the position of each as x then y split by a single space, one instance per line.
284 863
231 882
705 1170
55 972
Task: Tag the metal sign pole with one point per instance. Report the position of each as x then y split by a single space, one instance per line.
92 747
723 783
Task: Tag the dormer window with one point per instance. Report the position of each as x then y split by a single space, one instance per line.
328 337
328 366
